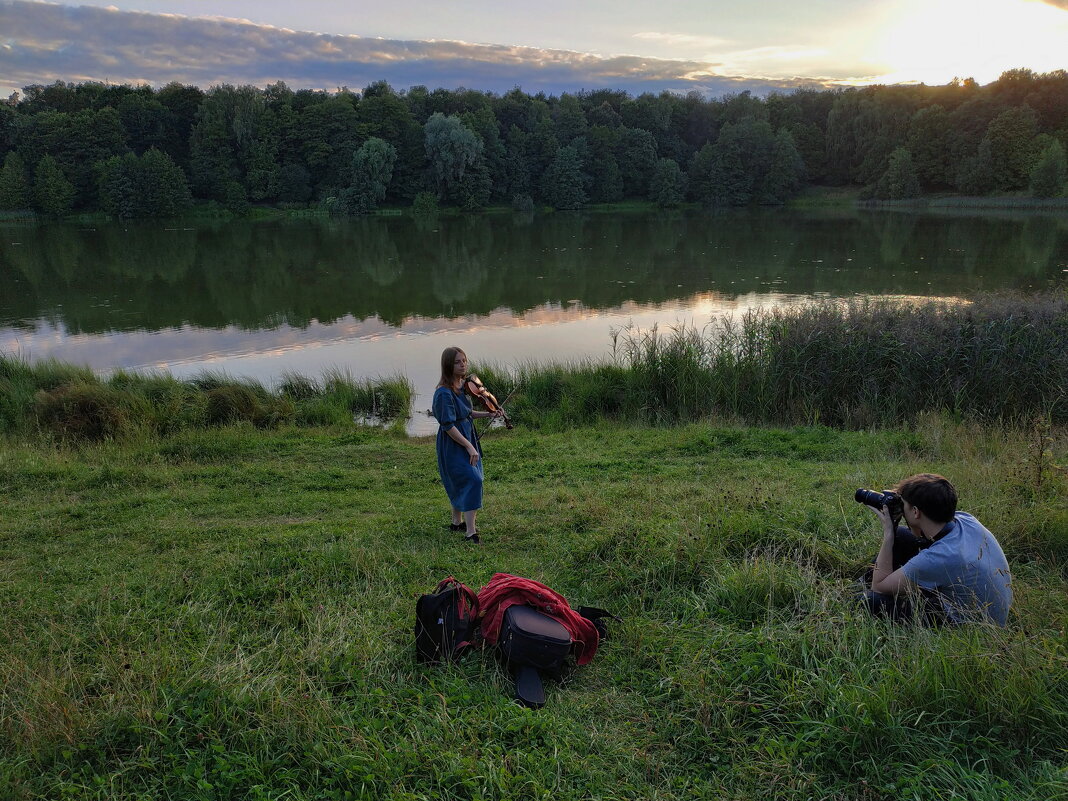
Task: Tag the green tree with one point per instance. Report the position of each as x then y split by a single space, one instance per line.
212 160
863 127
328 132
929 143
235 199
606 181
900 180
53 193
77 141
700 174
517 177
563 184
968 123
451 150
840 137
237 137
1011 136
668 187
1048 175
372 170
636 156
144 120
59 96
119 186
425 204
8 129
543 146
262 170
604 115
784 171
383 113
14 188
494 154
568 119
741 161
811 146
881 126
743 106
975 176
473 191
294 184
150 185
181 103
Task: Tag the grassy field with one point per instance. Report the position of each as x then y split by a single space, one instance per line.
227 613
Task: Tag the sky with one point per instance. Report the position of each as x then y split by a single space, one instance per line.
715 47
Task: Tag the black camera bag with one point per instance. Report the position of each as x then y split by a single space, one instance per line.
445 622
532 643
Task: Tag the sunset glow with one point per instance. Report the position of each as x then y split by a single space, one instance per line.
935 42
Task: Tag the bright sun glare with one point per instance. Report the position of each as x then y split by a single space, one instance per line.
938 40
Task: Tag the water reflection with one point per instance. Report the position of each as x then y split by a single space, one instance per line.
291 294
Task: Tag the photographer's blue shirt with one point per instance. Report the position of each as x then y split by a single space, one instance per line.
967 568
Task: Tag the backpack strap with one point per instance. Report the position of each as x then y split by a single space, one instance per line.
468 605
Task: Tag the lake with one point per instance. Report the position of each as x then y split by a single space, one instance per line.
384 295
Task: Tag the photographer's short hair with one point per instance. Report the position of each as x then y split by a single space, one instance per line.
932 494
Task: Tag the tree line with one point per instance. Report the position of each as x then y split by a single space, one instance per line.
134 151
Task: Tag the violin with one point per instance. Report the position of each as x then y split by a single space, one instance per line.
476 389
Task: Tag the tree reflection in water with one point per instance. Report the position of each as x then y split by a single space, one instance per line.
259 275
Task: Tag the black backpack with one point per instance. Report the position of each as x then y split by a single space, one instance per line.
445 622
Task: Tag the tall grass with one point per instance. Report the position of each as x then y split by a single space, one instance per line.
71 403
853 364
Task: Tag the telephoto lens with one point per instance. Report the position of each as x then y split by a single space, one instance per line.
877 500
874 498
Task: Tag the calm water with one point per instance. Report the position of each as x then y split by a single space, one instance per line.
385 295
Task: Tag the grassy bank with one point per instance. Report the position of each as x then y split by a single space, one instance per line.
68 403
228 614
859 364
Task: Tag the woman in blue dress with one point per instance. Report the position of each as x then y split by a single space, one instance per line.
459 451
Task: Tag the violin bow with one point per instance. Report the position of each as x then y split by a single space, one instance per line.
500 404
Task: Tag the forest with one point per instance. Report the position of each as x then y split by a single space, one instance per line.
135 151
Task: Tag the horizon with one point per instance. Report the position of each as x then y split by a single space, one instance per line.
711 48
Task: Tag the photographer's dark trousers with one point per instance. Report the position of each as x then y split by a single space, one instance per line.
922 606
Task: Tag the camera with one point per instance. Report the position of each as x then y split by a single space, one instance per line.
875 499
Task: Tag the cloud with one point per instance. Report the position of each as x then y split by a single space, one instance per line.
43 42
682 39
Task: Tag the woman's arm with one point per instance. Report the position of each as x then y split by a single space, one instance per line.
461 440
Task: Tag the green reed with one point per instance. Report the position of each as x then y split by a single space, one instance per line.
851 364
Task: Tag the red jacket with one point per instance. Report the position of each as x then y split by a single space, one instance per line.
504 590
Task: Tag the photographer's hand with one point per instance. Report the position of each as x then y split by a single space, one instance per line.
885 579
883 513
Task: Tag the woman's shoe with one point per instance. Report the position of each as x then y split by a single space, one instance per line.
473 539
457 526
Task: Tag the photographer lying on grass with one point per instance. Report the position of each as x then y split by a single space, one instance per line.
944 568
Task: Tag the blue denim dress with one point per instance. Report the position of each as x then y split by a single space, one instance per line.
462 481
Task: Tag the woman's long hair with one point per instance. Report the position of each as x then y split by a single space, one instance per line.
448 365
